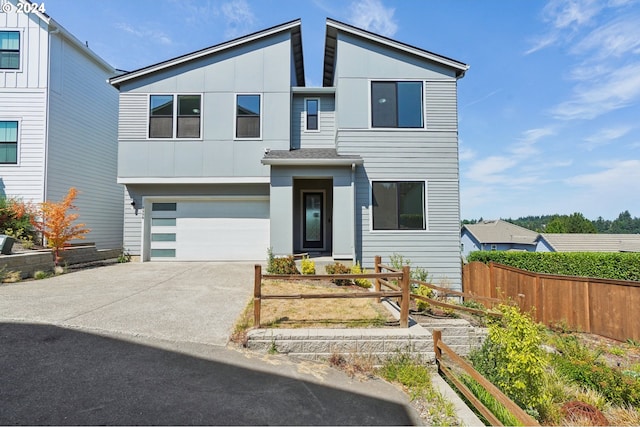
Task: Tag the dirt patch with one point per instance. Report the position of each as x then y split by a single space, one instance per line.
322 312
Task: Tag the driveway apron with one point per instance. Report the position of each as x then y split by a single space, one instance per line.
176 301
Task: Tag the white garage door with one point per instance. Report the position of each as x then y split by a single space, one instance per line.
220 230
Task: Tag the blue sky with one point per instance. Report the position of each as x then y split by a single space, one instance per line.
549 111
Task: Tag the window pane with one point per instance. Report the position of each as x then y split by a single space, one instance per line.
161 105
411 205
163 222
385 206
398 206
161 116
189 105
10 40
163 237
163 253
189 127
248 127
10 60
383 104
248 105
9 131
163 206
410 104
312 106
9 153
312 114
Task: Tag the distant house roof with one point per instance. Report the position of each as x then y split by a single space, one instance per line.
592 242
499 231
330 46
309 157
296 42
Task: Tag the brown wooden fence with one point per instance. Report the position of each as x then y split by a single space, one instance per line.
441 349
599 306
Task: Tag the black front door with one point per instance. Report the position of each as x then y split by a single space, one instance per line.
313 220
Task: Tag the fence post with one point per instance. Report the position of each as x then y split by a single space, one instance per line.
404 302
437 337
377 260
257 284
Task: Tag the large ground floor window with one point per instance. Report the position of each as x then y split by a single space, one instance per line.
398 205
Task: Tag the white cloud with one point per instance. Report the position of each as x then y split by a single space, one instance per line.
239 18
145 33
489 170
592 99
606 136
616 176
572 13
373 16
616 38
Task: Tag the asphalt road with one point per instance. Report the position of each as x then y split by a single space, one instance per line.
69 357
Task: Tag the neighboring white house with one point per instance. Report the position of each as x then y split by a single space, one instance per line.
226 152
58 122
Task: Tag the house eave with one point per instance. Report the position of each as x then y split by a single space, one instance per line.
288 26
312 162
195 180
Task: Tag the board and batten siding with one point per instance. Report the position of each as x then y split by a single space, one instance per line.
83 143
325 136
34 46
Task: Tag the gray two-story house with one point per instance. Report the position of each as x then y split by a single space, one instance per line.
225 152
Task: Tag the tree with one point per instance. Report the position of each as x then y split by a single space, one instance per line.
574 223
56 223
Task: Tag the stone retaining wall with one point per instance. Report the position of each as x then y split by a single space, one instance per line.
320 344
28 263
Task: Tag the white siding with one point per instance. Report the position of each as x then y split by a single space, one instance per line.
26 179
33 51
441 105
132 121
82 142
133 218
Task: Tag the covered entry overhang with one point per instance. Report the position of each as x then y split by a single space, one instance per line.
312 202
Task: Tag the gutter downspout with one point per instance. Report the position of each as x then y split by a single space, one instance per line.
353 209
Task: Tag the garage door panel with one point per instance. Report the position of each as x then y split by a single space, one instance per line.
214 230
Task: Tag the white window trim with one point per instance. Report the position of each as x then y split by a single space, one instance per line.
397 129
426 206
18 144
304 115
22 51
235 115
174 137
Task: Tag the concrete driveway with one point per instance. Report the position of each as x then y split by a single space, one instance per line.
178 301
144 344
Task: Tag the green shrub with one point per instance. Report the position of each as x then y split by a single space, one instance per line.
425 292
39 275
512 358
580 365
605 265
15 217
356 269
487 399
338 268
281 265
308 266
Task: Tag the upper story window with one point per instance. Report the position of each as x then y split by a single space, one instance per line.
174 116
398 205
10 50
312 107
396 104
8 142
248 116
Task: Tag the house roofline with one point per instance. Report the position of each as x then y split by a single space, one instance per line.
334 26
312 162
288 26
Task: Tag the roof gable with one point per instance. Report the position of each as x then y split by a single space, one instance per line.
296 45
333 27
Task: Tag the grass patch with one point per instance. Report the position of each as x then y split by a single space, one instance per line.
415 378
